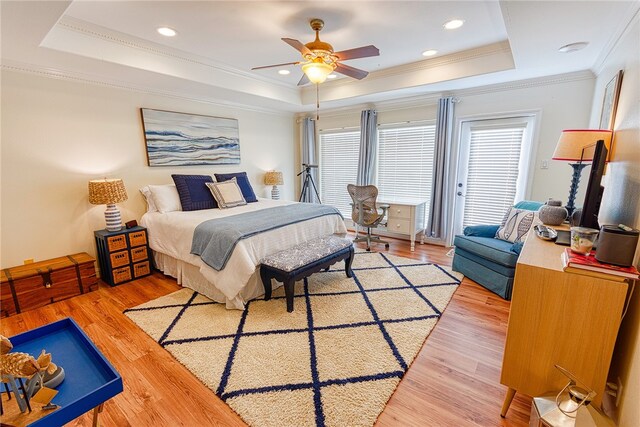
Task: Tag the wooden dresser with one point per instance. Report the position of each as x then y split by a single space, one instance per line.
123 255
558 318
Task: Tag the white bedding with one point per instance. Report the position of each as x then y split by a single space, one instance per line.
171 234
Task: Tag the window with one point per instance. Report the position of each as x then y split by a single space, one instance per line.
405 162
495 169
338 167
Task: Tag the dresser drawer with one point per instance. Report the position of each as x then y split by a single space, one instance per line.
399 211
117 243
139 254
138 238
402 226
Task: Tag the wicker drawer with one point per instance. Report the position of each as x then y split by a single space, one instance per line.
118 259
141 269
138 238
117 243
122 274
139 254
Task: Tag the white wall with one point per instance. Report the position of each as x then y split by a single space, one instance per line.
58 134
621 204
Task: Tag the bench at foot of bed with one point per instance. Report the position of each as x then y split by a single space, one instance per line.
302 261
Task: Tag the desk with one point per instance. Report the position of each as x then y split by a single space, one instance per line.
90 380
405 216
558 318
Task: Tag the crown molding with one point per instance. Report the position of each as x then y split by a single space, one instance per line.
431 99
66 75
96 31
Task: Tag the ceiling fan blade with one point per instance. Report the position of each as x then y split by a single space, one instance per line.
276 65
356 73
304 80
358 52
297 45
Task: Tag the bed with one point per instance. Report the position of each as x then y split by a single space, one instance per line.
171 235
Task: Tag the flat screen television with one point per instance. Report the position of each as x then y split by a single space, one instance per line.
593 197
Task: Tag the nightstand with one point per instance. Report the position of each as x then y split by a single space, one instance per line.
123 255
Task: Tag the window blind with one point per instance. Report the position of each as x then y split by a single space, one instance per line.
492 173
338 167
405 162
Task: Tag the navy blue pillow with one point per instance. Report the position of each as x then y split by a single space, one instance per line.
194 193
243 183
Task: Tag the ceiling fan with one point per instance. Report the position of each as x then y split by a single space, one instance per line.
320 60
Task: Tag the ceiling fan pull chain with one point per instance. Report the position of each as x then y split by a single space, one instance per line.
317 101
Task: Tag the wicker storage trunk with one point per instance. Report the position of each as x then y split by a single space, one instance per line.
30 286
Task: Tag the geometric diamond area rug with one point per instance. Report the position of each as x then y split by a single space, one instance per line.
334 361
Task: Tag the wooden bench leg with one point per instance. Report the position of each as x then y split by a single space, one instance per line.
347 263
266 282
288 291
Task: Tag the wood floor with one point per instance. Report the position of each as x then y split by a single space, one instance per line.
454 381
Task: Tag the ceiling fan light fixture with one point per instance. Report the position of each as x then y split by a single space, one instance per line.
317 71
284 72
429 52
332 76
453 24
167 32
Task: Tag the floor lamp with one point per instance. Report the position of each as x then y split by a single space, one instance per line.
577 146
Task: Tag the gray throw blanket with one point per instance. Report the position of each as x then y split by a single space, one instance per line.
215 239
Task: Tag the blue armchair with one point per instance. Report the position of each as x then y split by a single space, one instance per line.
486 260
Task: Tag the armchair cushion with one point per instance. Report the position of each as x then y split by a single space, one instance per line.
481 230
496 250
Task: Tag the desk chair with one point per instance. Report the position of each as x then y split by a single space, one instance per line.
365 212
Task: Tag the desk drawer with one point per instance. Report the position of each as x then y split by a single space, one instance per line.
402 226
399 211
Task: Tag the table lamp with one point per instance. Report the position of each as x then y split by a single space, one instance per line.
572 147
108 192
274 178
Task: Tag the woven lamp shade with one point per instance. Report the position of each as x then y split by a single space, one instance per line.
273 178
578 144
107 191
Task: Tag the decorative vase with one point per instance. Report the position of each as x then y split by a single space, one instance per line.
552 213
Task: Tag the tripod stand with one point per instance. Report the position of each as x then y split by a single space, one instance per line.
308 178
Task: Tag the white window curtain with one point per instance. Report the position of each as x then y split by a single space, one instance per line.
405 161
339 151
439 214
309 158
368 147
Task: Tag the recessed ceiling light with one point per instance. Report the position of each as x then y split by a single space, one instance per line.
429 52
284 72
572 47
453 24
332 76
167 32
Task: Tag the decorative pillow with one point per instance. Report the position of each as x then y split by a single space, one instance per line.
146 193
165 198
243 183
227 193
194 195
516 225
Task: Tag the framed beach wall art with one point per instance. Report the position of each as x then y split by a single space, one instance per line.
610 102
179 139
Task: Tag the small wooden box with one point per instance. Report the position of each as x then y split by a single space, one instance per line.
30 286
